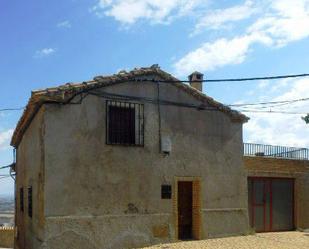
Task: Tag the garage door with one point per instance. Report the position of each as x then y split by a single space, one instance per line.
271 204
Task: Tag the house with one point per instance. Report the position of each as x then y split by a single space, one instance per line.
128 160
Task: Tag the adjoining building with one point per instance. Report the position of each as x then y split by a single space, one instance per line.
128 160
278 187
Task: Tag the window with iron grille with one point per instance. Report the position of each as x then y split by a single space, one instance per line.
21 199
30 201
125 123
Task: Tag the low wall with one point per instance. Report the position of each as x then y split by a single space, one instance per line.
268 166
7 237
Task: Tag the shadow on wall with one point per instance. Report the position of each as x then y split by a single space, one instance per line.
7 237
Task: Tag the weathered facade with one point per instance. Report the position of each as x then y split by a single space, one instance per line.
77 187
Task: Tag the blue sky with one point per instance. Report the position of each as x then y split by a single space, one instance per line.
48 43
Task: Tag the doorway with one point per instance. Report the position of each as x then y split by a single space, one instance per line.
185 210
271 204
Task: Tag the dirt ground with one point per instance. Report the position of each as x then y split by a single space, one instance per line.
282 240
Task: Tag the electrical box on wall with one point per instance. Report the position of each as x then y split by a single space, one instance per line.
166 144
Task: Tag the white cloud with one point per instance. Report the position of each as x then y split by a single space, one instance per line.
217 54
280 22
64 24
44 52
155 11
282 129
263 84
217 19
285 22
5 137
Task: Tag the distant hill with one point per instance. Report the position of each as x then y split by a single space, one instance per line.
6 204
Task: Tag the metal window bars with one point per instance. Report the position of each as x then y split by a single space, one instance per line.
124 123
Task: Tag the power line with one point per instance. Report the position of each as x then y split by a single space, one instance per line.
270 102
260 78
4 177
217 80
276 112
5 167
233 79
11 109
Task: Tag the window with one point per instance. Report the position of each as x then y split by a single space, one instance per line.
166 192
21 199
125 123
30 201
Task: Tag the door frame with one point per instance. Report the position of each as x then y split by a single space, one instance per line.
196 205
252 206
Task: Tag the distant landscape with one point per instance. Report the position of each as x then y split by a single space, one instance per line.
6 210
6 204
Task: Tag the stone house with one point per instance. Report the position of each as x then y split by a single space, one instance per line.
128 160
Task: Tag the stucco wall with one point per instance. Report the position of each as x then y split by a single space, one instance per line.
104 196
30 172
6 237
297 169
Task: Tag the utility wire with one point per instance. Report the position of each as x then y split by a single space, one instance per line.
4 177
215 80
258 78
270 102
5 167
232 79
11 109
270 111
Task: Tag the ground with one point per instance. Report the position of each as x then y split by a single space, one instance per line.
282 240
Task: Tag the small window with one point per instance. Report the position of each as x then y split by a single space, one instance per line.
21 199
198 77
166 191
125 123
30 201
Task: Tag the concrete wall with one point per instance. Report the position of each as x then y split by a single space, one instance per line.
107 196
7 237
30 172
297 169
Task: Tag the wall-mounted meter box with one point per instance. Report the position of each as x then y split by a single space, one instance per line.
166 144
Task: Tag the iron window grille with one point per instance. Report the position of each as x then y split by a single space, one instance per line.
30 201
21 199
125 123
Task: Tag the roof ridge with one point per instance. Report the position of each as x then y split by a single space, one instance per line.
67 91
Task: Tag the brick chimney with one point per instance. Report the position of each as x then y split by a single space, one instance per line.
196 80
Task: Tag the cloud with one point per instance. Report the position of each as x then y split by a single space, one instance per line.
44 52
217 54
285 22
219 18
5 137
156 11
281 22
282 129
263 84
64 24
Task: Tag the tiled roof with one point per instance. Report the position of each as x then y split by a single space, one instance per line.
64 93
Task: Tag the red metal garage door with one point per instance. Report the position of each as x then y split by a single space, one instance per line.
271 204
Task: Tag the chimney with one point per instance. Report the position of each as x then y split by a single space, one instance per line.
196 80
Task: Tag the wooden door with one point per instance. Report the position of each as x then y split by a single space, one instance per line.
185 210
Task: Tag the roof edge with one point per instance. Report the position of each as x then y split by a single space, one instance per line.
64 93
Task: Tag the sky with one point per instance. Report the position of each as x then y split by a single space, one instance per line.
49 43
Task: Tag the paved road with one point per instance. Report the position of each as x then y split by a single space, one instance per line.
283 240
